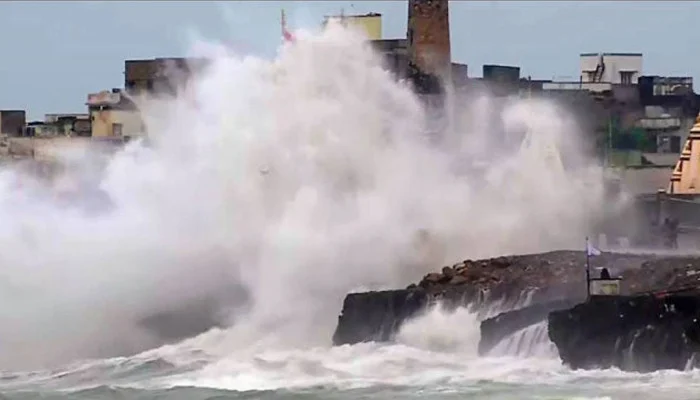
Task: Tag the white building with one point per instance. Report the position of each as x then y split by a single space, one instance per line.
615 68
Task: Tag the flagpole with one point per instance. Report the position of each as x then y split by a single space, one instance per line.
588 272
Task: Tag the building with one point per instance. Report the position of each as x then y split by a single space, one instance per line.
394 53
61 125
159 75
615 68
370 24
635 112
12 122
670 106
604 72
113 114
502 80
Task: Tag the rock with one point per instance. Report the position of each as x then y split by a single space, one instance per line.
495 329
377 316
448 272
547 277
433 277
411 286
633 333
501 262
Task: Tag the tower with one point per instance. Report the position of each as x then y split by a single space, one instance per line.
686 175
428 36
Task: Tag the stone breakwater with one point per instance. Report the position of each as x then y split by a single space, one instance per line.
487 286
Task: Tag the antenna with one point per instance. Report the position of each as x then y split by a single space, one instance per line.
283 21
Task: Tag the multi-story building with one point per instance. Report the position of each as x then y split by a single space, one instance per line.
615 68
112 114
603 72
670 108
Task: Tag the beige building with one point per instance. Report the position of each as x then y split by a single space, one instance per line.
112 114
370 24
616 68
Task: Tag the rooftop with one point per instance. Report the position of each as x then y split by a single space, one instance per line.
612 54
368 15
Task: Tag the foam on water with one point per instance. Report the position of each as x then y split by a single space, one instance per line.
298 179
436 351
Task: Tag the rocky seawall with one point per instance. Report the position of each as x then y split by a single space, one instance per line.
487 286
633 333
523 289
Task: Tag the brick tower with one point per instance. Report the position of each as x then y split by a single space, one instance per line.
428 36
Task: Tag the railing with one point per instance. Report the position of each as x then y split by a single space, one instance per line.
590 86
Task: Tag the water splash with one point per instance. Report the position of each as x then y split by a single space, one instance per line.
532 341
297 179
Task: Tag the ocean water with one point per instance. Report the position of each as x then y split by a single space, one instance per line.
434 357
270 189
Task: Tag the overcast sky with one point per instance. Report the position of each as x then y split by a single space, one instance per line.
53 53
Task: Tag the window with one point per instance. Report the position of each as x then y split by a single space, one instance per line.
626 77
116 129
675 144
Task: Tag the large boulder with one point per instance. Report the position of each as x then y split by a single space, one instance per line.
633 333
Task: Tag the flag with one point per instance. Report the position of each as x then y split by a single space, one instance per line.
591 250
288 36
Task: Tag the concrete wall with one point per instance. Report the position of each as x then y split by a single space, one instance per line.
52 148
616 64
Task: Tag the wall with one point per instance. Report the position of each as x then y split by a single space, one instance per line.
103 123
614 64
50 148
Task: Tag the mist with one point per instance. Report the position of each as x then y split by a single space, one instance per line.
272 188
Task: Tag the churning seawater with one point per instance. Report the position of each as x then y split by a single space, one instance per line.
276 187
434 357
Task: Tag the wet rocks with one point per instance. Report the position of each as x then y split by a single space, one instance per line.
493 330
376 316
633 333
541 278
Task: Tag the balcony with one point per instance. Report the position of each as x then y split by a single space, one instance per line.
659 124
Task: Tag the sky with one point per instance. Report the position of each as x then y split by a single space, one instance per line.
54 53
